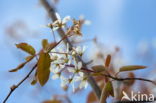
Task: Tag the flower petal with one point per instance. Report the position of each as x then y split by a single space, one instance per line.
58 16
55 76
66 19
70 69
79 65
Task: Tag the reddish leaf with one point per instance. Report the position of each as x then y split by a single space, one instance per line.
98 68
52 101
130 82
91 97
18 67
108 60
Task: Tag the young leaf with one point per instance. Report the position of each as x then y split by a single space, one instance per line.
91 97
130 82
131 67
18 67
51 46
27 48
107 91
108 60
43 66
45 44
98 68
53 101
28 58
34 82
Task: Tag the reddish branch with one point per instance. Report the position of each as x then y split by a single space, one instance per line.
14 87
115 78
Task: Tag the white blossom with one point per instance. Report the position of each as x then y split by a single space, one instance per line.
79 50
77 67
65 81
83 80
56 72
62 59
60 23
53 56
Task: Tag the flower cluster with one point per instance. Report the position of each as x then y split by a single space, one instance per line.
66 60
63 60
59 23
74 29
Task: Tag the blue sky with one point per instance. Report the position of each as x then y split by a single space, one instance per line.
124 23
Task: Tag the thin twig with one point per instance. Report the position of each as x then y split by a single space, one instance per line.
14 87
54 35
61 53
125 79
115 78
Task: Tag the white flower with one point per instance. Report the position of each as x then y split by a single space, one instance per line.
67 48
62 59
56 72
83 80
60 23
79 50
53 56
83 84
77 67
65 81
60 62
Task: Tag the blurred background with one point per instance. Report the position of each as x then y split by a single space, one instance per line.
126 24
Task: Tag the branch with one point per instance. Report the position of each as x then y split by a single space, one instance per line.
51 12
116 78
14 87
124 79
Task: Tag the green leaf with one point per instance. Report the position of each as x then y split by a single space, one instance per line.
108 60
131 67
26 47
106 91
98 68
43 66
